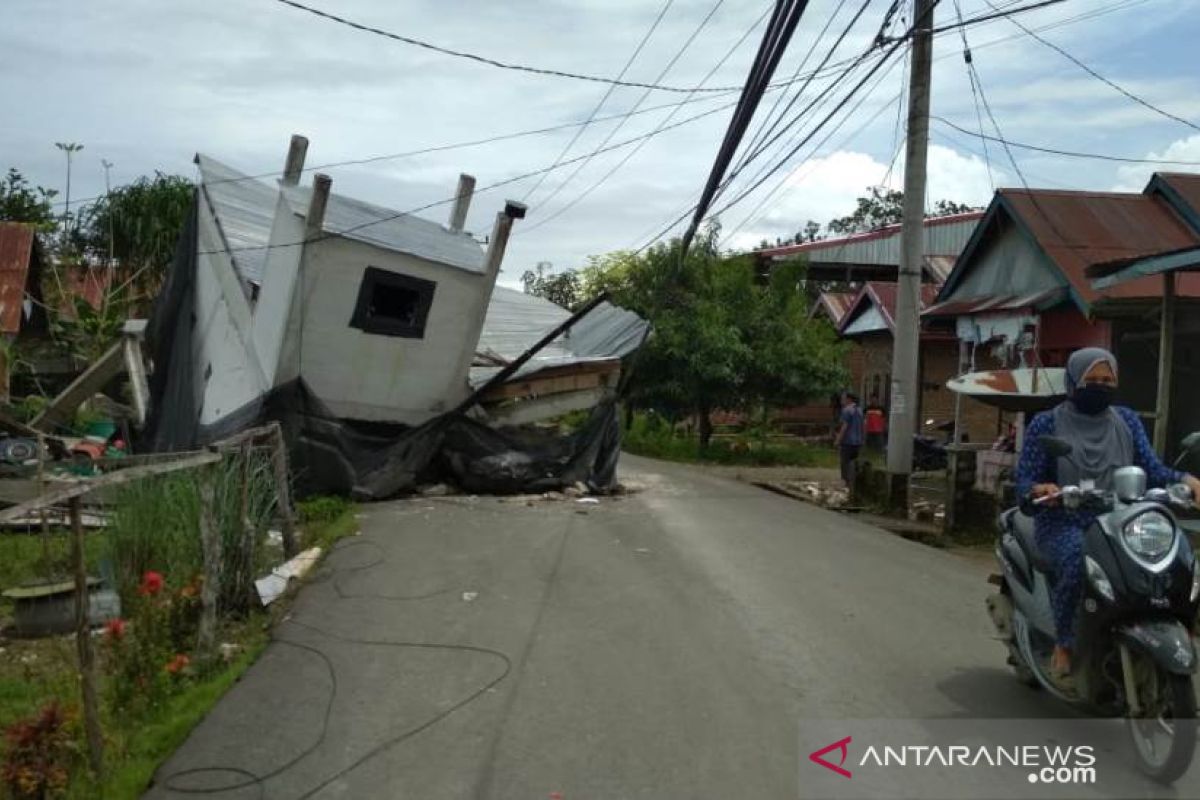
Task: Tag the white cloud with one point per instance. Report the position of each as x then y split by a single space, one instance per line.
827 188
1133 177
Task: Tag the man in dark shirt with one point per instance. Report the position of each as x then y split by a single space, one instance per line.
849 437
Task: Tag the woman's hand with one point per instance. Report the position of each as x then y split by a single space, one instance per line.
1040 490
1193 483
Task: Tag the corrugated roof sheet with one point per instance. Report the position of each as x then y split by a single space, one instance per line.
985 305
883 296
16 253
1079 229
516 321
835 305
245 207
943 236
392 230
1186 185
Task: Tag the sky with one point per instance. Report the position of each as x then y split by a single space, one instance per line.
145 85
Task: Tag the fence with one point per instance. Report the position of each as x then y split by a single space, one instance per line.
205 512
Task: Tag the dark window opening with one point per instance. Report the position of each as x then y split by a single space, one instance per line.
391 304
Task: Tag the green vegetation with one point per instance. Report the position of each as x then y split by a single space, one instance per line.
153 692
652 436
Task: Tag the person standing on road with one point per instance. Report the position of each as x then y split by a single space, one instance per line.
849 437
876 424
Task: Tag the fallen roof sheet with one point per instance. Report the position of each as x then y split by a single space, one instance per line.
516 322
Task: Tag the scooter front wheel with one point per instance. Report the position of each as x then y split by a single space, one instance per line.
1165 738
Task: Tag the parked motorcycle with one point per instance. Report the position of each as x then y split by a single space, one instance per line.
1134 656
929 453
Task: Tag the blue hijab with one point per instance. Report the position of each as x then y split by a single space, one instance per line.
1102 442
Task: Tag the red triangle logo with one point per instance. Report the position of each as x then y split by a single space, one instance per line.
818 757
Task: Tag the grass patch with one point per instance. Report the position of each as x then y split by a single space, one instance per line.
135 754
325 520
653 437
34 672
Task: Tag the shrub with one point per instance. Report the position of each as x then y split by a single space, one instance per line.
323 508
40 748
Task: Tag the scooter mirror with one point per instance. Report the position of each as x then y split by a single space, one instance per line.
1055 446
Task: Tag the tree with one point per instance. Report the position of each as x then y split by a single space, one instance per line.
722 339
810 233
22 202
879 208
139 224
561 288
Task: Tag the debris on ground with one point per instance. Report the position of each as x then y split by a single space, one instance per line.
469 596
272 586
436 490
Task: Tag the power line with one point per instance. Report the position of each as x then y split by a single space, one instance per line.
753 215
779 34
607 94
489 187
1067 153
628 156
491 61
645 95
987 159
1135 98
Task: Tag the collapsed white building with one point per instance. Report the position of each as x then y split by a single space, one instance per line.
379 339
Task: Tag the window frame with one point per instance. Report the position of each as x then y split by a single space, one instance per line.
373 278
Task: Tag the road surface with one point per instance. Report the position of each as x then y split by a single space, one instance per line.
686 641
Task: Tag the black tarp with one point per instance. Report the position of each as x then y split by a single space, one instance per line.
366 460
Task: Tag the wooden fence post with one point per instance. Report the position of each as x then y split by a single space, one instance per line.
210 542
283 489
83 641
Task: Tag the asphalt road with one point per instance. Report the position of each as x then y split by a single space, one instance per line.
690 640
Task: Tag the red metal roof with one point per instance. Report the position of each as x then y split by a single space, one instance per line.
1186 185
881 233
835 304
1079 229
17 243
983 305
883 295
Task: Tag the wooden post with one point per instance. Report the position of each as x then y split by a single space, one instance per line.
41 443
210 543
83 641
1166 361
283 489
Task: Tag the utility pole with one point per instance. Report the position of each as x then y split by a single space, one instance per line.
906 346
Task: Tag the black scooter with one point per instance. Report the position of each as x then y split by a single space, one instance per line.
1134 655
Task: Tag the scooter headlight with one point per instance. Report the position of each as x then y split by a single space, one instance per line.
1149 535
1099 579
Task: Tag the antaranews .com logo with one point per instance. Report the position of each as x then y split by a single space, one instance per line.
1069 764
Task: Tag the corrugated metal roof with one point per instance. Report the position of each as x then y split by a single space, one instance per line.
90 283
883 296
1079 229
392 230
245 208
516 321
16 253
944 236
1186 185
985 305
834 304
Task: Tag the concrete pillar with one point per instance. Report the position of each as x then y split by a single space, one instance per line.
462 202
294 166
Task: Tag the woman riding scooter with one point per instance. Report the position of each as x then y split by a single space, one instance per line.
1104 438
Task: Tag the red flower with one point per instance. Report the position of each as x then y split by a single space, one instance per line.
152 584
115 629
177 664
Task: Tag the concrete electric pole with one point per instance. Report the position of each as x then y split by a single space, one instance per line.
905 351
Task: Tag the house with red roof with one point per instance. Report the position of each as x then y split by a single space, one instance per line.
1020 292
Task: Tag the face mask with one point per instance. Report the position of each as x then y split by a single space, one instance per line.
1093 398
